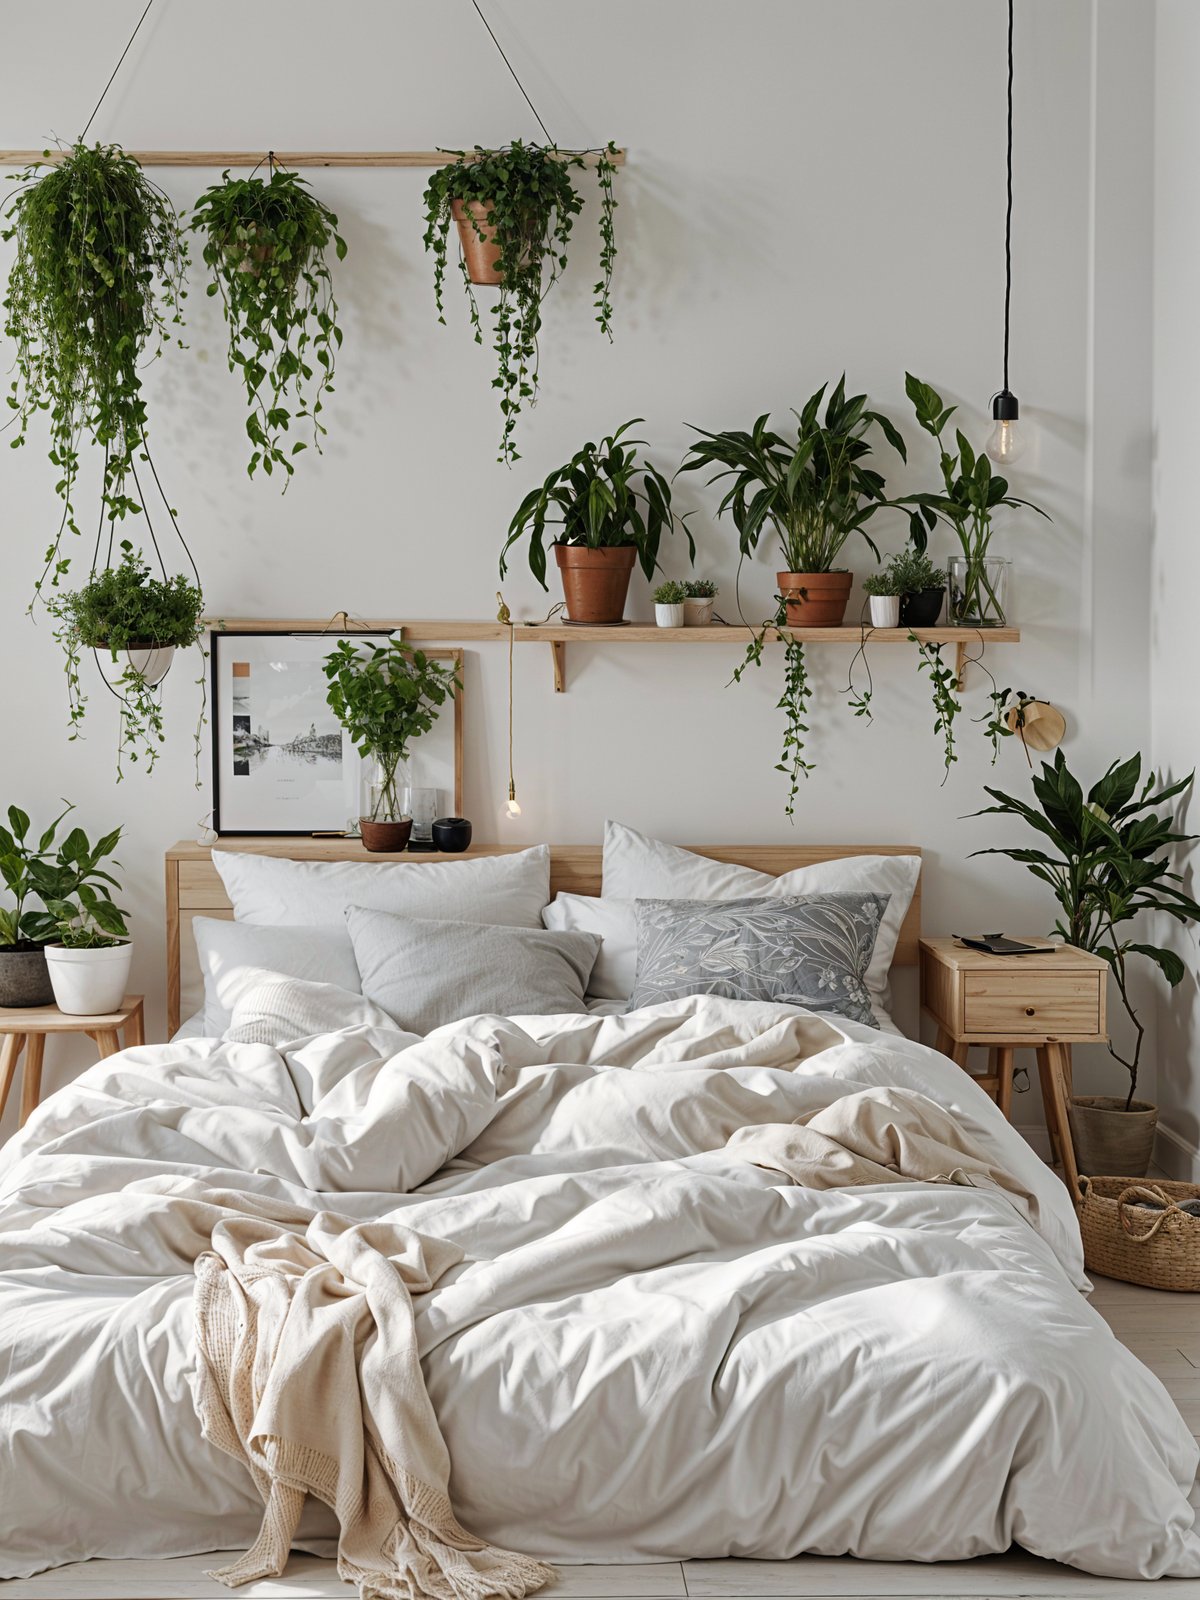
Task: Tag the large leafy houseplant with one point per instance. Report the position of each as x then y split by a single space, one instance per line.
95 288
519 202
1104 857
265 242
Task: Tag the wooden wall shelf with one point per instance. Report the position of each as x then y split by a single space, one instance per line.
220 159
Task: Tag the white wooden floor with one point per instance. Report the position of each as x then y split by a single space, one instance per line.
1162 1329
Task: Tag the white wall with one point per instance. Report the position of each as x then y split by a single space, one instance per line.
811 187
1175 658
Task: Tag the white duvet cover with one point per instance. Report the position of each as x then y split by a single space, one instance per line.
653 1348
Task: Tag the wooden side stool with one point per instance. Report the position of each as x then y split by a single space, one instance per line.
27 1029
1044 1003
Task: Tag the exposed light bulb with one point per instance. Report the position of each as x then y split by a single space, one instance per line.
513 808
1006 441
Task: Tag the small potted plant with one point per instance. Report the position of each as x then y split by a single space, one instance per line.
884 597
814 492
386 696
30 872
921 587
89 956
668 604
610 510
699 594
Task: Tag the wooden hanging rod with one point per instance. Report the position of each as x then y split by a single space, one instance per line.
220 159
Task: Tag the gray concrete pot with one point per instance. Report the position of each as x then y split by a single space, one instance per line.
1109 1141
24 979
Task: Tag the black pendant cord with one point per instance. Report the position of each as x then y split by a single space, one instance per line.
1009 205
513 70
115 70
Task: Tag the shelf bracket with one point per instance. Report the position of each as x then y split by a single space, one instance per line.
558 651
960 664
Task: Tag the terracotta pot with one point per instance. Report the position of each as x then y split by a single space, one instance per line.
815 599
1110 1141
388 837
480 250
595 582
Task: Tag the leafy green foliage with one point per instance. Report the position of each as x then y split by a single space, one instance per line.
913 572
793 701
881 583
700 589
670 594
96 284
385 696
532 205
946 706
814 491
596 500
1106 862
69 880
266 242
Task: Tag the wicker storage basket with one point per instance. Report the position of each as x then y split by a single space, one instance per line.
1160 1249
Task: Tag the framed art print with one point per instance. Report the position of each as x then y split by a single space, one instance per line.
282 763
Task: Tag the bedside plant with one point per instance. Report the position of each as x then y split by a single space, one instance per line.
1106 862
610 510
699 594
668 605
514 208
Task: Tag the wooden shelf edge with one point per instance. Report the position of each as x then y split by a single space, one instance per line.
219 159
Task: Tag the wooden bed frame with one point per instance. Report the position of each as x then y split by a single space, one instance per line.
194 887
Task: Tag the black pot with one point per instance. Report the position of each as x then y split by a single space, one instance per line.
922 610
451 834
25 978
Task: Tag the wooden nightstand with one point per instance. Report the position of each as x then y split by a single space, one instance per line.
27 1029
1041 1002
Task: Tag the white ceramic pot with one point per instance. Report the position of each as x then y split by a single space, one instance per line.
153 663
885 610
668 616
697 613
89 983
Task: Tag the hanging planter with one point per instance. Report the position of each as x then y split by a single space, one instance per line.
266 244
513 209
93 295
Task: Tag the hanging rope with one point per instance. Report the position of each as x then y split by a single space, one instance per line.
115 70
513 70
1009 206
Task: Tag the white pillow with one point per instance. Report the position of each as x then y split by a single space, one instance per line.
506 890
234 954
616 923
640 868
275 1008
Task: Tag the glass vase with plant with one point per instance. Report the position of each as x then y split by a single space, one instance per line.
386 696
266 242
514 208
606 510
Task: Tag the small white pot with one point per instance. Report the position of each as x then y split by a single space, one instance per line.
697 613
153 664
885 610
89 983
668 616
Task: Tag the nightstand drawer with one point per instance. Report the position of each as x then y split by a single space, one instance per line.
1040 1004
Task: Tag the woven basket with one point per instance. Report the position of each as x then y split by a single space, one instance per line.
1160 1249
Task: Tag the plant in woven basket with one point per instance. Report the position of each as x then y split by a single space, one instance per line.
1106 862
517 204
95 288
266 243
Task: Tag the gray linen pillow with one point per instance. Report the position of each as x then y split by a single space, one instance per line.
425 973
812 951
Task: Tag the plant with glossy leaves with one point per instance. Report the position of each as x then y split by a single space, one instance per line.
69 880
1107 863
604 497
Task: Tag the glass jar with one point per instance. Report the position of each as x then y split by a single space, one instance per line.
978 591
422 805
379 800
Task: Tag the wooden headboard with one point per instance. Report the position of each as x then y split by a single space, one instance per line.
194 887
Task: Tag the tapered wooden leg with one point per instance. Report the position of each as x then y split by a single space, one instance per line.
135 1028
959 1054
31 1084
1058 1090
944 1044
1043 1063
107 1042
10 1054
1004 1072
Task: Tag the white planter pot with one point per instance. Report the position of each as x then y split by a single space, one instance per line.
697 613
668 616
89 983
885 610
153 664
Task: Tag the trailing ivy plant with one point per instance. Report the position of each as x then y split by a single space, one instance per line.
531 203
123 608
793 702
265 241
95 289
945 706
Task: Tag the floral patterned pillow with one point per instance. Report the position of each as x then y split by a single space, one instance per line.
811 952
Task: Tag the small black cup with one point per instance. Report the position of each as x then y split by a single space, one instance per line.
451 834
922 608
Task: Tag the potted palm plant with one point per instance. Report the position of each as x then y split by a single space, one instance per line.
814 491
699 594
1107 862
385 696
669 601
610 510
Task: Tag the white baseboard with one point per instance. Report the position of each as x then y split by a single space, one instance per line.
1176 1156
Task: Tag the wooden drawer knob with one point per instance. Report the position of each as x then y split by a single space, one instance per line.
1029 1011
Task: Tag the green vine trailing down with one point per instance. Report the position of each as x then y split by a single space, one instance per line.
945 706
532 203
265 241
793 702
94 291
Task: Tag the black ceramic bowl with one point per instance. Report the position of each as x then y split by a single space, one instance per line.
451 834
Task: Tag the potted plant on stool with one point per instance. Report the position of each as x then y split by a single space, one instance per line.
1110 864
28 871
90 958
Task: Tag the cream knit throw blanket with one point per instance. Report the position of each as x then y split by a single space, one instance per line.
309 1374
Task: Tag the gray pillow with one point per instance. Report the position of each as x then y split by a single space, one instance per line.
424 973
812 951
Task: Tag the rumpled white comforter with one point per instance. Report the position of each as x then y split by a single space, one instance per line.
653 1348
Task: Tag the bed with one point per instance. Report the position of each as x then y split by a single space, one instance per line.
658 1341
